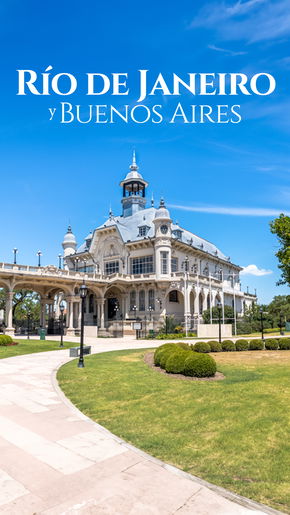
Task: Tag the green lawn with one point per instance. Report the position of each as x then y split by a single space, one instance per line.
30 346
234 432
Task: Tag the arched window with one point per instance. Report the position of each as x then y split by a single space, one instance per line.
141 300
132 299
173 296
200 304
151 300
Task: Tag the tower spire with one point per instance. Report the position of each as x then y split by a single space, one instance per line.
134 165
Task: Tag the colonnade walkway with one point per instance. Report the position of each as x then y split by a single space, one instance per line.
54 460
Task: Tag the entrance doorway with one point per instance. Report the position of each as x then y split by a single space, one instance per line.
112 304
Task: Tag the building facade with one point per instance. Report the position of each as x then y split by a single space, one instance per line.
146 266
137 266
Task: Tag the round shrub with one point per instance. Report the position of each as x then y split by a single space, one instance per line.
165 355
228 346
183 345
242 345
201 347
284 343
256 345
271 344
5 339
175 362
199 365
215 346
158 352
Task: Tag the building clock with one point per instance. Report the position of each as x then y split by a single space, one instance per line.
164 229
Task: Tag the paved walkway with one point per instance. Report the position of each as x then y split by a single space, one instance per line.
53 460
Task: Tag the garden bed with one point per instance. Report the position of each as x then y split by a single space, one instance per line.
149 360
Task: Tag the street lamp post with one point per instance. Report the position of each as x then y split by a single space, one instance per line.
59 261
219 306
15 250
77 264
61 308
39 254
150 311
83 294
134 308
262 323
185 265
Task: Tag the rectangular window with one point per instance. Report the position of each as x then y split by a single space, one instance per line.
143 230
112 267
174 264
142 265
164 262
142 300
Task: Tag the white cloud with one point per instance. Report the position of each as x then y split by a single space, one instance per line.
225 50
252 21
234 211
254 270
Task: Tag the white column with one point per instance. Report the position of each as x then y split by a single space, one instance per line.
204 301
79 313
71 315
9 330
42 312
102 307
196 301
70 318
101 313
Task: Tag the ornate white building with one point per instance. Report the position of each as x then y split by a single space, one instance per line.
144 266
139 265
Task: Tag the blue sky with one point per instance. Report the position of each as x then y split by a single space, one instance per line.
227 180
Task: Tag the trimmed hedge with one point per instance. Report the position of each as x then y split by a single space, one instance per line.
183 345
199 365
158 352
5 339
215 346
201 347
175 362
228 346
284 343
256 345
164 357
174 336
242 345
271 344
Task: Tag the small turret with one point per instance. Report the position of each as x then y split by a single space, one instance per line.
134 188
162 244
69 243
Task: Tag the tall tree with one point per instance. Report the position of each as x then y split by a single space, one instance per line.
281 227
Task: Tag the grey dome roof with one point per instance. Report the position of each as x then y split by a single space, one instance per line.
162 212
69 237
133 174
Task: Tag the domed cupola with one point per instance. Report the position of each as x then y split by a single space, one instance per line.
69 243
134 187
162 212
162 221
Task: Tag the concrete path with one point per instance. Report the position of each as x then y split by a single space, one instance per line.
54 460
